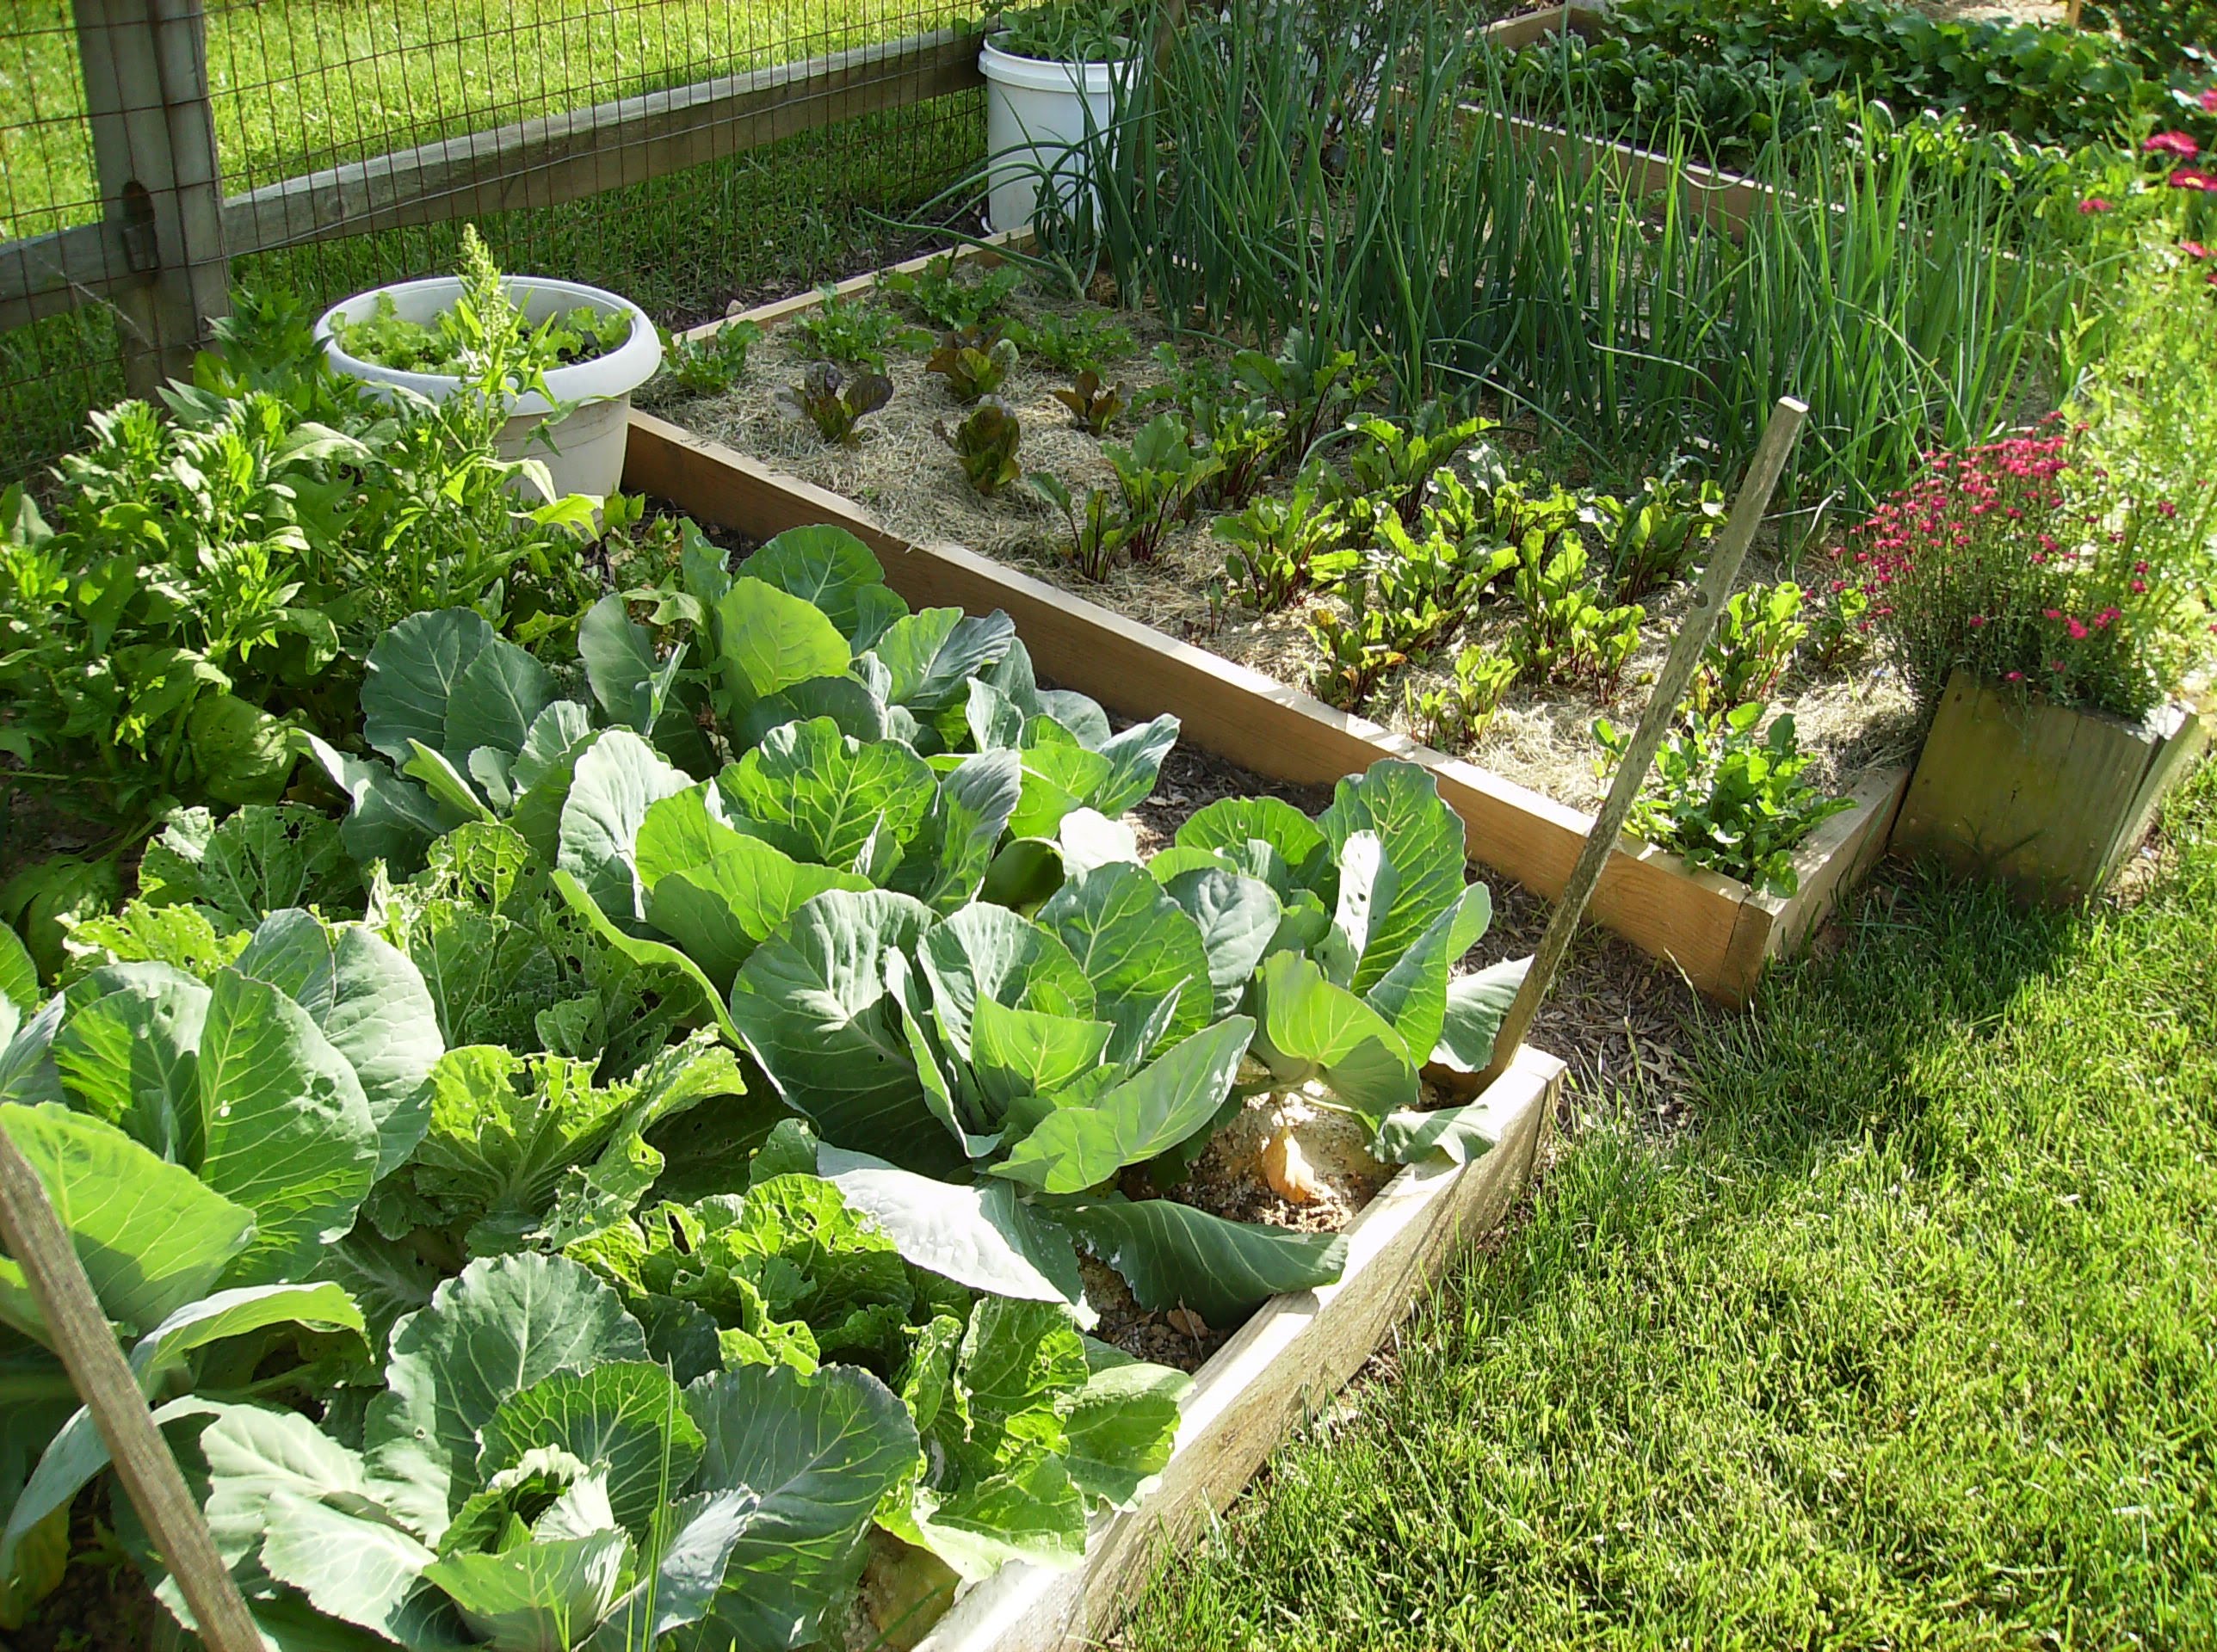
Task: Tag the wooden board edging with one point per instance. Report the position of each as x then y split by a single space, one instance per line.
1296 1352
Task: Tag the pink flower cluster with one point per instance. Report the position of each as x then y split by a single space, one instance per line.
2014 557
2013 482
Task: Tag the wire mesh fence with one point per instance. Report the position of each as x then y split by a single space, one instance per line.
682 152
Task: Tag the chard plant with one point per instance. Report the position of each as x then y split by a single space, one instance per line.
1159 475
1095 529
973 362
1432 567
710 365
855 332
1754 643
1246 437
1395 460
1281 547
985 445
1311 381
1661 530
939 293
1358 648
1455 714
1093 404
834 406
1839 630
1565 634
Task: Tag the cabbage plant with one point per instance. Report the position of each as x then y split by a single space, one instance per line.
204 1139
531 1479
1031 1060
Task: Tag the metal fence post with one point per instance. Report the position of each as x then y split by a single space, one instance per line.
153 131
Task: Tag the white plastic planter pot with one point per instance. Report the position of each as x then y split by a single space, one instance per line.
1042 116
587 453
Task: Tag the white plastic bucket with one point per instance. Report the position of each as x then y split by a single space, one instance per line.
1037 115
588 454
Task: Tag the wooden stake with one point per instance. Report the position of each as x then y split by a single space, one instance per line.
1709 596
96 1365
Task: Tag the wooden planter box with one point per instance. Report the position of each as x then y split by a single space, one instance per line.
1716 931
1294 1354
1719 200
2048 800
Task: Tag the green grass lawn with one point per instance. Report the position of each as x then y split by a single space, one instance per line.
298 84
1912 1342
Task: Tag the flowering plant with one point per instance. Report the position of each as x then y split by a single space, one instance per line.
2018 560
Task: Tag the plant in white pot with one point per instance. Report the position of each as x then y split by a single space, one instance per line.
2045 611
1054 75
568 355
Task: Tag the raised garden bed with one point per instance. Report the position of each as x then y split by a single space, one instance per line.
1715 198
1296 1352
1716 930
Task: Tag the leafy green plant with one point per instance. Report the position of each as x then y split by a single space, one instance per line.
985 444
1755 640
1661 530
1310 379
1096 528
1731 797
1281 547
1093 404
1565 634
1840 631
854 332
1358 647
1445 572
531 1476
1395 459
207 584
1066 31
793 1271
460 334
1047 1054
972 360
204 1178
1670 62
826 399
939 293
1158 475
1457 712
2159 34
1246 438
710 364
1079 341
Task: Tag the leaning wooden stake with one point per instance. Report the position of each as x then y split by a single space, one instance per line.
1709 596
87 1346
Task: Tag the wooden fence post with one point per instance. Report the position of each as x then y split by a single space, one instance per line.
1714 591
153 138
